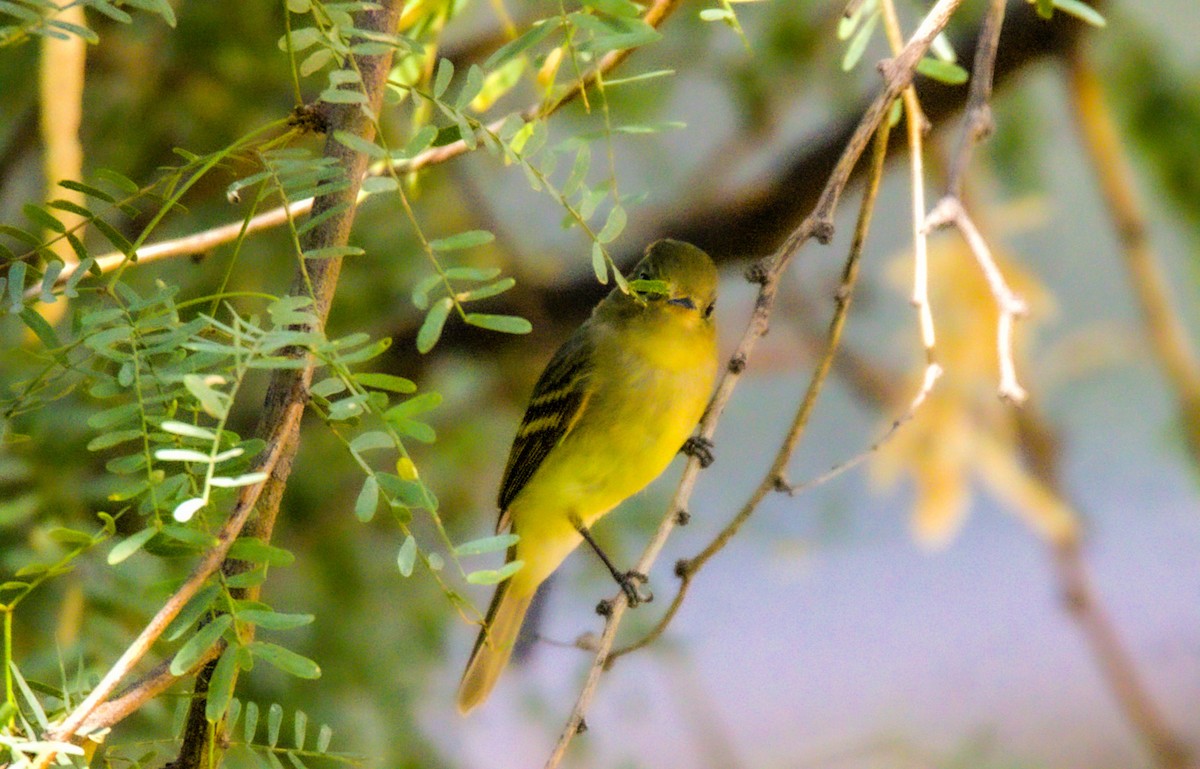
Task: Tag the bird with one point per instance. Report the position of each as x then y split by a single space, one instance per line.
614 405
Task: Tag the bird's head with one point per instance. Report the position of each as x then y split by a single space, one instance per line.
679 277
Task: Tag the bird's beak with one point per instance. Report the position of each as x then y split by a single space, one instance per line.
683 301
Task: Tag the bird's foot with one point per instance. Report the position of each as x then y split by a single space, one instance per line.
631 582
699 447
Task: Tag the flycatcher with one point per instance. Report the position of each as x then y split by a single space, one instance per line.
615 404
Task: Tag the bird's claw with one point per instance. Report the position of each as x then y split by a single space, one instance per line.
631 582
699 447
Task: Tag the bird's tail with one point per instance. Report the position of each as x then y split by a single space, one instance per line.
494 645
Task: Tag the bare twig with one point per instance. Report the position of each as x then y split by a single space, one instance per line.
977 120
1175 351
201 242
950 211
775 478
898 73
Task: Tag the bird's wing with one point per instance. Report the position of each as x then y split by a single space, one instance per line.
558 401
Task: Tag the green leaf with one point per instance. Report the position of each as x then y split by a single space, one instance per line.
493 576
472 273
716 14
614 7
484 292
583 160
182 455
407 493
289 662
416 430
130 545
188 430
486 545
613 225
300 729
431 328
191 611
368 500
43 330
255 550
599 263
376 184
858 44
508 324
395 384
108 440
1081 11
343 96
359 144
441 80
416 405
332 252
407 556
220 685
250 723
324 736
515 48
43 218
212 401
191 652
273 620
462 240
274 720
471 88
1045 8
420 141
942 71
370 441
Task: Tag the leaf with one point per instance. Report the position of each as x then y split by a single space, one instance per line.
182 455
343 96
471 88
220 685
431 328
43 330
333 252
254 550
515 48
420 141
108 440
274 720
416 405
599 263
1081 11
192 611
407 493
212 401
191 652
407 556
376 184
359 144
186 509
493 576
324 736
188 430
273 620
1045 8
858 44
462 240
289 662
484 292
486 545
613 225
368 500
389 382
130 545
943 71
236 481
250 724
300 728
508 324
441 80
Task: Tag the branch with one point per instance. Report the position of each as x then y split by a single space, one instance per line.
201 242
776 477
1168 337
898 74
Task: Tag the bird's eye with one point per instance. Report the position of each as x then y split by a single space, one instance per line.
708 311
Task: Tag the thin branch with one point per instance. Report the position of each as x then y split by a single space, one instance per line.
916 126
977 120
201 242
776 477
950 211
1175 351
898 73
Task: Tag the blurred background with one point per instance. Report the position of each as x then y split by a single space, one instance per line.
909 612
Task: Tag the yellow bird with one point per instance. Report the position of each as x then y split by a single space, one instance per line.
617 401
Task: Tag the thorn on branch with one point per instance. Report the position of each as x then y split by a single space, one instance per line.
604 608
737 364
581 727
782 485
823 229
758 273
683 568
682 518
